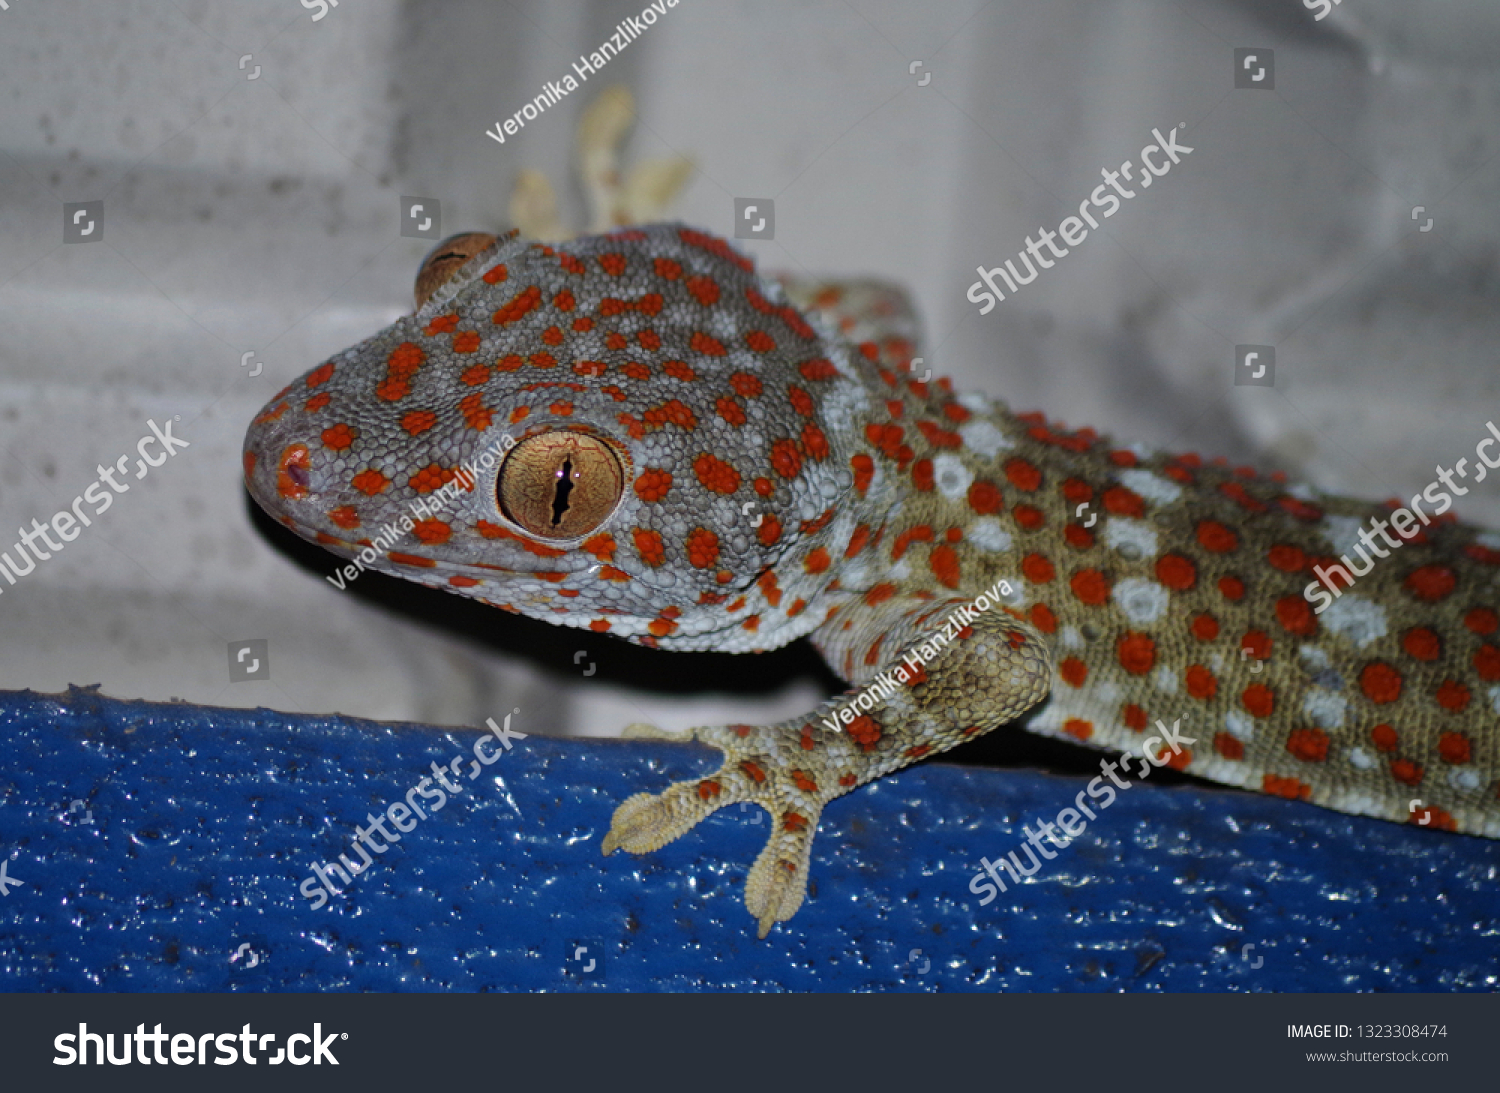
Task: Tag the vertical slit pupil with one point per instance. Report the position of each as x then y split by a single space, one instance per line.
564 487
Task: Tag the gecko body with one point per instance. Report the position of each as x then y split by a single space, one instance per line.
689 456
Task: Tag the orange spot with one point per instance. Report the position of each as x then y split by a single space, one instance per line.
944 563
1431 583
649 546
1259 699
1289 788
1043 618
702 548
1090 586
1407 772
1228 746
1482 620
411 560
1022 474
1075 726
1421 643
817 561
1232 588
1380 682
1037 569
1296 616
715 474
1205 627
984 497
1028 516
1288 559
864 731
1216 537
1453 747
1135 718
1073 671
1452 695
370 482
345 516
1384 738
339 437
1137 653
1201 682
418 422
432 531
1487 663
1176 572
321 374
1123 502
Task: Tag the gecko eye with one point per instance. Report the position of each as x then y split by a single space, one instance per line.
560 485
444 260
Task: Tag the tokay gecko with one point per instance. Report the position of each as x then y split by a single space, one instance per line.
636 434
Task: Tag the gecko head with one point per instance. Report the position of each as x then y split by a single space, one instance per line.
631 433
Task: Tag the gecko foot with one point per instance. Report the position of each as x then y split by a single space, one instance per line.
757 768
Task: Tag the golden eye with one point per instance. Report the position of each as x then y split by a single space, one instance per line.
445 259
560 485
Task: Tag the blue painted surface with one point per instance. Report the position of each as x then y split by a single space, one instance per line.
197 825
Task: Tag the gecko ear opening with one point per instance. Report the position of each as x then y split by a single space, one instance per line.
445 259
560 484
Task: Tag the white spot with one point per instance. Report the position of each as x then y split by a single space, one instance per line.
1069 638
1151 486
1303 492
1142 601
1341 532
1494 693
1464 778
987 534
1315 659
1324 708
1216 662
901 570
1361 758
1108 692
983 437
1140 451
1135 534
1166 680
1356 618
1489 539
1239 725
976 402
1012 593
951 477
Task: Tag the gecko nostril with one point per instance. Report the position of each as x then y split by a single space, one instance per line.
560 484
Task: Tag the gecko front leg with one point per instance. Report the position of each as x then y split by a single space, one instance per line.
960 673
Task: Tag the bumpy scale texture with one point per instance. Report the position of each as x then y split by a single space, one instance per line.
784 473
